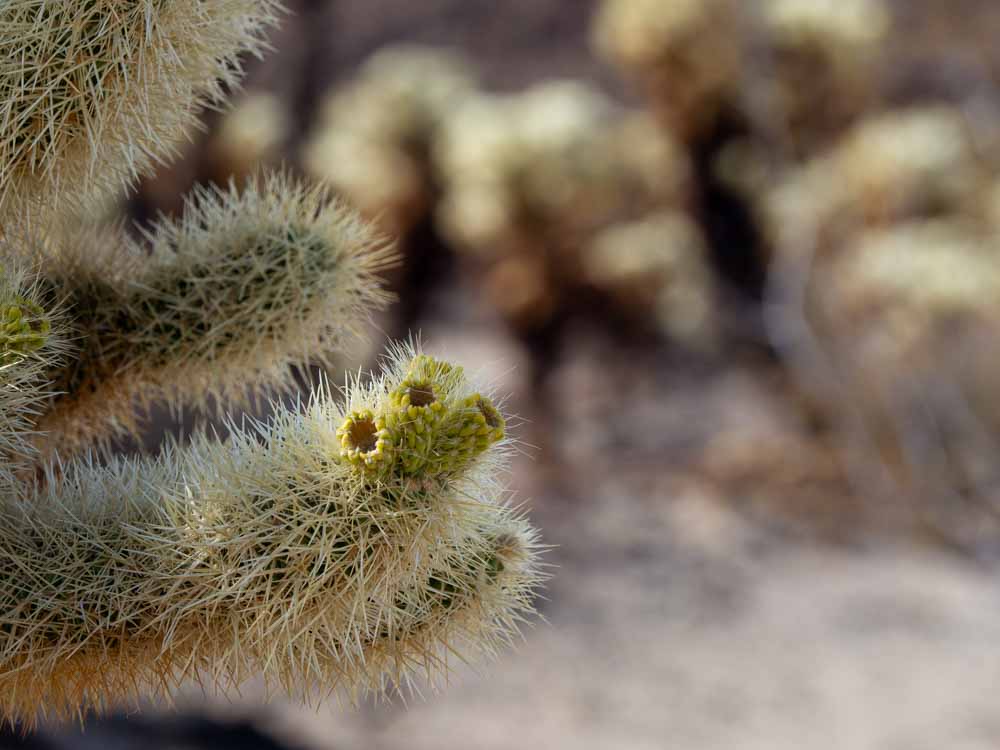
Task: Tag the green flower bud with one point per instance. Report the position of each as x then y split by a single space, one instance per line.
470 427
24 328
415 411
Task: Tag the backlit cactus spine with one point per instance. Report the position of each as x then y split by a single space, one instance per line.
274 552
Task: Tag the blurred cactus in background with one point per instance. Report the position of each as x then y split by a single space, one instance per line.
686 55
528 178
374 136
250 134
893 228
798 69
657 266
515 184
864 197
333 548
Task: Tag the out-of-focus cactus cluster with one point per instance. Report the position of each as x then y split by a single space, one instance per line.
374 136
802 67
873 204
250 134
891 237
782 135
537 192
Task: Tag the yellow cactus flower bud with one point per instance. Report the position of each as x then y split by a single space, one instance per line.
417 408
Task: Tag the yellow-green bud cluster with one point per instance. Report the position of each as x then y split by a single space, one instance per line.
364 441
426 367
471 427
427 424
414 418
24 329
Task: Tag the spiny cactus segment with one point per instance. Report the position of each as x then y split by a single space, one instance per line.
428 426
272 553
95 92
338 548
243 286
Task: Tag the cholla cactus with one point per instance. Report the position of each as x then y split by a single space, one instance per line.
906 315
902 165
373 140
240 288
542 154
828 22
94 92
822 65
277 552
557 159
686 55
906 289
887 249
657 270
302 549
528 178
801 69
250 135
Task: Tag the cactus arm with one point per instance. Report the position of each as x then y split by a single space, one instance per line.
80 81
272 552
236 292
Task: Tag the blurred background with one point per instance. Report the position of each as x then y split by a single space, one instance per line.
737 264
